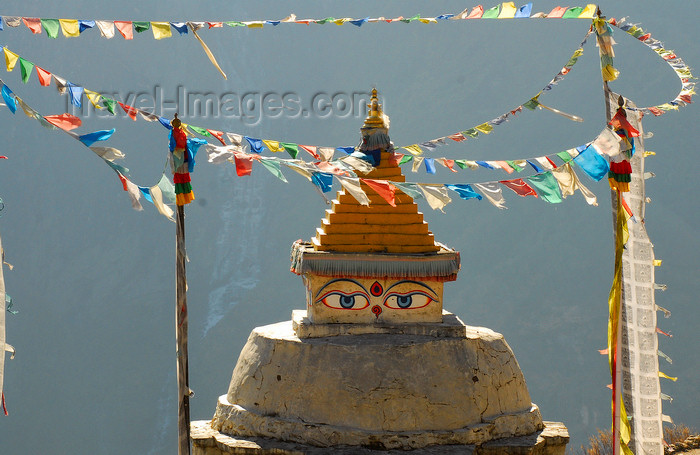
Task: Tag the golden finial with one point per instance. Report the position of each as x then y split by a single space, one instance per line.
375 117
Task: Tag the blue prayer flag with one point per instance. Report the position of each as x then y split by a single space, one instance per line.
465 191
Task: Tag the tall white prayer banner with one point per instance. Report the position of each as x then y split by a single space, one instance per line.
638 353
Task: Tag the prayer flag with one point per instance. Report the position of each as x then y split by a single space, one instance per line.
592 163
26 68
465 191
508 10
91 138
125 29
547 187
70 27
161 30
492 192
33 24
519 187
491 13
106 28
383 188
436 195
51 26
7 95
10 59
244 164
255 144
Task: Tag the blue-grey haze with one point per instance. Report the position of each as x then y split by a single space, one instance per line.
94 280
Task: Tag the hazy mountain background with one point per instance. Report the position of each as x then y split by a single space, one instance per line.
94 280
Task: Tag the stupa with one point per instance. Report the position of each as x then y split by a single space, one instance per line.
375 363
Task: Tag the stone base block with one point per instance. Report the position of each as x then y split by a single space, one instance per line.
450 327
551 440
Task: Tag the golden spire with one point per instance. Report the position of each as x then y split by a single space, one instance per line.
375 116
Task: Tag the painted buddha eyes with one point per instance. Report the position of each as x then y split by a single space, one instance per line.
410 300
346 294
343 301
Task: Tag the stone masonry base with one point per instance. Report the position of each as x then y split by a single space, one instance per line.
551 440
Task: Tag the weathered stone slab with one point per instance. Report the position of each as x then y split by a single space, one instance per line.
451 326
551 440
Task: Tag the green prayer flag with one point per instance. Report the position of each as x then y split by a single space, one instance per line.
274 167
26 68
167 189
198 130
573 13
461 163
514 166
291 148
471 132
141 26
52 26
109 103
406 159
546 186
117 167
492 13
532 104
235 24
411 19
323 21
564 156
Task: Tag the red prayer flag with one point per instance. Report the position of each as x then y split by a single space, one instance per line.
44 76
383 188
620 121
457 137
125 29
557 12
123 180
215 24
519 187
130 111
506 167
244 165
32 24
656 111
551 162
476 13
64 121
311 149
219 135
450 164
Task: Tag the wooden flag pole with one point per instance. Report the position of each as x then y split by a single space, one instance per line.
184 195
183 388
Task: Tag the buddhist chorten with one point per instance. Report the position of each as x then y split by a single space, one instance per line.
374 362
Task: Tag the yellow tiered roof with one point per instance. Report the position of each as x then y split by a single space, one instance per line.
350 227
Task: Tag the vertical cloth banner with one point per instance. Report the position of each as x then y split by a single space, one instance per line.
638 361
3 345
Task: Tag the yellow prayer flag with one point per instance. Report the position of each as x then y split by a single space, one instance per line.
70 27
94 98
484 128
609 73
341 21
588 12
428 20
413 149
657 262
507 10
649 153
273 146
255 24
664 375
161 30
10 59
